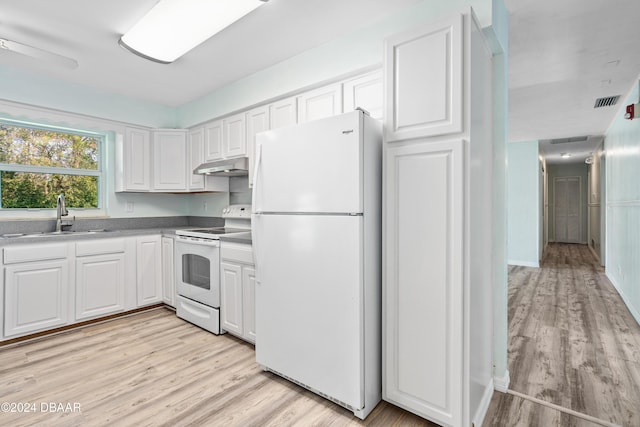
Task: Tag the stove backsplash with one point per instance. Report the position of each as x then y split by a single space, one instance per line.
239 191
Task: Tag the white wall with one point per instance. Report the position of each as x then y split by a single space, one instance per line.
622 151
523 203
31 89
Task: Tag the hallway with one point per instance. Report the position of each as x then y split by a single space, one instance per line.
572 343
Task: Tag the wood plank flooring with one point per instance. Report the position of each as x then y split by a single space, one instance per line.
153 369
572 342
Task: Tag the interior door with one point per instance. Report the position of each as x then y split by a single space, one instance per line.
567 200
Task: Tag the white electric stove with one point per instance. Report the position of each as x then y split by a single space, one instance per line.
197 256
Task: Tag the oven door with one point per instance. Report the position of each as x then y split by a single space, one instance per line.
198 270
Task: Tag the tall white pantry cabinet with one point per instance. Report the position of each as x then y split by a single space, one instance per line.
437 292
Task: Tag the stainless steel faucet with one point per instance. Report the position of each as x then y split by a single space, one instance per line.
61 211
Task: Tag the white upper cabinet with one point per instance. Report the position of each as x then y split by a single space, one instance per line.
213 141
195 150
364 92
257 121
423 80
235 139
136 160
320 103
169 160
283 113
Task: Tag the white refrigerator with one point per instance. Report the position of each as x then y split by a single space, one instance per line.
316 228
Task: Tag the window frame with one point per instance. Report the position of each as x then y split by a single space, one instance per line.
99 172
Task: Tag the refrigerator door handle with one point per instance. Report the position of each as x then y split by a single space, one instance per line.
256 180
255 220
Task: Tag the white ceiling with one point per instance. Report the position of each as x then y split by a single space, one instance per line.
563 54
88 31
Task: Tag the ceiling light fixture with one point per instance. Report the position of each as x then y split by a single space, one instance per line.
565 155
174 27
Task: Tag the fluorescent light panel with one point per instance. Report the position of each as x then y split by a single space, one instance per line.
174 27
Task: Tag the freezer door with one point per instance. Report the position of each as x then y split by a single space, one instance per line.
309 312
314 167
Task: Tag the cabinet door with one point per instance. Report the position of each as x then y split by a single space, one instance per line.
170 160
235 139
249 303
137 160
320 103
423 283
148 270
423 81
36 296
168 272
257 121
364 92
195 147
283 113
213 141
100 285
231 298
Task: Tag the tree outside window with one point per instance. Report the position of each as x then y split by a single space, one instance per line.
37 164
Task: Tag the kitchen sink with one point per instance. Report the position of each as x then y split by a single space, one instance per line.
52 233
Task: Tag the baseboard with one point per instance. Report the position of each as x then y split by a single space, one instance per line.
483 407
630 307
535 264
501 384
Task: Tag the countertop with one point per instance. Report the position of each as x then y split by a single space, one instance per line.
237 238
84 235
242 237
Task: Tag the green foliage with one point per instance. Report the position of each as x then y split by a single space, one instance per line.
36 147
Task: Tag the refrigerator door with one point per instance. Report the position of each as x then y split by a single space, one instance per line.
309 312
313 167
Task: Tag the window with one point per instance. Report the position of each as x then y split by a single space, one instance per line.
38 163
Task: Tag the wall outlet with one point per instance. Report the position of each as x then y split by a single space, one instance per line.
204 206
128 207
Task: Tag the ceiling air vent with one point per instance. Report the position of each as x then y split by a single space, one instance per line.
566 140
606 102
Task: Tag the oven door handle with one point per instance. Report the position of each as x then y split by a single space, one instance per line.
189 241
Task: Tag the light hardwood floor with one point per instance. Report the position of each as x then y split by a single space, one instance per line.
153 369
572 342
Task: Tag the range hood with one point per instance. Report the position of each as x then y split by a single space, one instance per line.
225 167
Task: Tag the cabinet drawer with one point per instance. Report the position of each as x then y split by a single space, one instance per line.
42 252
101 246
237 252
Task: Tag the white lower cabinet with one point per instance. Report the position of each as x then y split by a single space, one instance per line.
249 302
100 278
168 272
49 285
100 285
36 296
148 270
237 290
423 308
36 288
